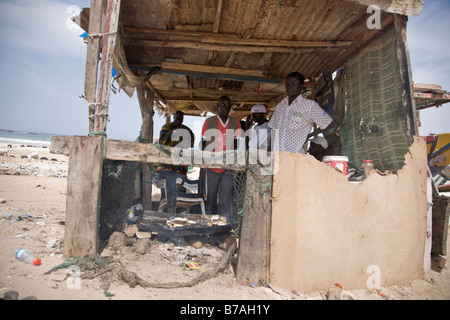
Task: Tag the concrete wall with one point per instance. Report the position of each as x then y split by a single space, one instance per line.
327 230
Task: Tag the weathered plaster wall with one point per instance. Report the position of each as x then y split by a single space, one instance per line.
327 230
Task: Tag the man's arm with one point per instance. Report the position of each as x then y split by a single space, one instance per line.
333 125
203 137
192 137
164 135
237 135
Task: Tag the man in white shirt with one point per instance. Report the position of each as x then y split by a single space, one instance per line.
295 116
260 137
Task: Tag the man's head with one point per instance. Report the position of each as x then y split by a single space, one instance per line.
294 84
223 107
259 113
178 118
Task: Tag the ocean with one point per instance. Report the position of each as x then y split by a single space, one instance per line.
26 138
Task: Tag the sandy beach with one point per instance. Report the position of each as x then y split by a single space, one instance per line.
33 185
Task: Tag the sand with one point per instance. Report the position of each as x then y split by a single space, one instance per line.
32 212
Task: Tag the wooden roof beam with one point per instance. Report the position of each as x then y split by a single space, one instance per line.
131 31
227 47
224 38
169 108
431 95
234 102
404 7
213 92
220 76
216 26
211 69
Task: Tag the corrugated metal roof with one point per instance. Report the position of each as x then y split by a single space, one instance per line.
265 38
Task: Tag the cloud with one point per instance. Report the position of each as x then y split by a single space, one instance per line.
429 43
40 27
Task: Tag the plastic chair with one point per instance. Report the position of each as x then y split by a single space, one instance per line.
172 193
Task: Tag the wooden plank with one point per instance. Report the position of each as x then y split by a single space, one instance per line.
254 241
189 33
83 196
224 47
215 101
130 151
146 136
404 7
92 57
213 92
211 69
426 87
61 144
141 152
221 76
222 38
169 108
217 18
433 96
437 262
105 76
440 222
147 112
277 43
216 26
422 95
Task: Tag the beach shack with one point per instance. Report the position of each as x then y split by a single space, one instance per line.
304 226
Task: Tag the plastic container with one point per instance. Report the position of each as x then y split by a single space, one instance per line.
367 165
337 162
27 257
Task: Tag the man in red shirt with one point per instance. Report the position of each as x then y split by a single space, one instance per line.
219 133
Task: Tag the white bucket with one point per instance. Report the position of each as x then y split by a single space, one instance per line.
337 162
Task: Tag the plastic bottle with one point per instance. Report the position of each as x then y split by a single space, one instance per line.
27 257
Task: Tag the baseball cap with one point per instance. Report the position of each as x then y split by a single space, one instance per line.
259 108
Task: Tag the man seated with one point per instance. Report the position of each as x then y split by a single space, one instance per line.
177 130
172 134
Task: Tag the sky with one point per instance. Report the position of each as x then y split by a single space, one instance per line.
43 67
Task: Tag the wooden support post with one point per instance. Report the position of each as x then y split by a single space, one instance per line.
83 196
254 241
92 57
105 77
440 222
145 98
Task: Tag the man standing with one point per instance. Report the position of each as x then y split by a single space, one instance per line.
295 116
219 133
317 147
261 133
